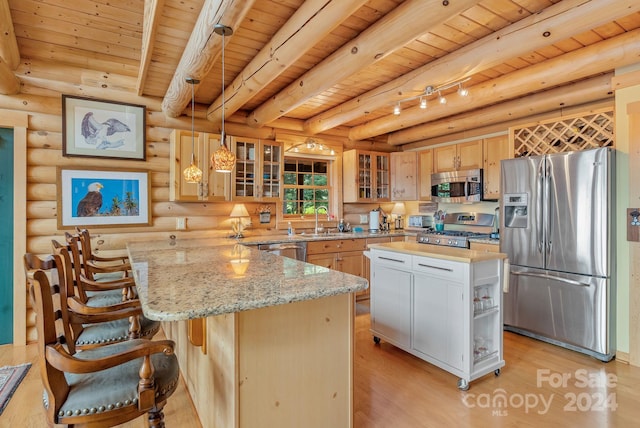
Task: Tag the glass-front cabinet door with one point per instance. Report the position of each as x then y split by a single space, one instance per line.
365 188
258 170
366 176
382 177
271 169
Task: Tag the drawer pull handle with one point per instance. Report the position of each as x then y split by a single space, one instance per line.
435 267
391 260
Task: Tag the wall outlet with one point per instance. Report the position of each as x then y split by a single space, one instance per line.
364 219
181 223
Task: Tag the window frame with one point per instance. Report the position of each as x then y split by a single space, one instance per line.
331 197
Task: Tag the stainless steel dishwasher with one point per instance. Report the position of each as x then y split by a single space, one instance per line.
293 250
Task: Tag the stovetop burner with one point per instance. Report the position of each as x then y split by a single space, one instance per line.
458 238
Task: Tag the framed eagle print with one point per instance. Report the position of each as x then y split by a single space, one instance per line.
106 129
102 197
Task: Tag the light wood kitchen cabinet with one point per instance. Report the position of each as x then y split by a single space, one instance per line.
258 173
343 255
425 169
404 176
456 157
366 176
214 185
495 150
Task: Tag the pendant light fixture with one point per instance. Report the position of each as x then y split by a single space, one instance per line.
192 174
223 160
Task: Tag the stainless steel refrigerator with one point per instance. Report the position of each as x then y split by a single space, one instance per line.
557 227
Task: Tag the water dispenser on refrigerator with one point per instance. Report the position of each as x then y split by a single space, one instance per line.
516 208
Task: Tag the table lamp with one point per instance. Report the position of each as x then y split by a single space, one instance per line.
399 210
238 212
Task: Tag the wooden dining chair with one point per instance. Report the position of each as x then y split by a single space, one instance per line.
91 286
103 294
96 266
92 325
102 386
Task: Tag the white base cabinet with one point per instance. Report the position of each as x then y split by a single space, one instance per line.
445 312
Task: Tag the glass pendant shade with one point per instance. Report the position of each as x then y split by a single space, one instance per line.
192 174
223 160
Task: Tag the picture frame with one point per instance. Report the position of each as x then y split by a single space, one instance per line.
101 197
103 129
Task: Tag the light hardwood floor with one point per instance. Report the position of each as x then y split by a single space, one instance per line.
541 385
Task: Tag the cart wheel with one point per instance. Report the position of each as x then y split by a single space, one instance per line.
463 385
497 372
376 339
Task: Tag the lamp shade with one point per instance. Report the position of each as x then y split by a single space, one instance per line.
239 210
399 209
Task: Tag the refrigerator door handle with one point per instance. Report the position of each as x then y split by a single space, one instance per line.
548 200
539 213
552 277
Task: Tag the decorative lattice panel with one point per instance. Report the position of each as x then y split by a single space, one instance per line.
568 134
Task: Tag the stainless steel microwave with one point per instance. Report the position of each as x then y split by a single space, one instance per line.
457 187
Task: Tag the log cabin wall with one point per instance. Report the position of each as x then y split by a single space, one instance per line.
43 107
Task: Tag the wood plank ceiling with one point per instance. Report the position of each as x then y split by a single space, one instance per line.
327 65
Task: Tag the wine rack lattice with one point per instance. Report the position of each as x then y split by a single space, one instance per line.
580 132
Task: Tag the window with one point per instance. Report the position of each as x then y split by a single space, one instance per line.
306 185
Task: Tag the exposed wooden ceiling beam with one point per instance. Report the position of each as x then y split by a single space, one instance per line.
202 50
9 53
9 83
393 31
593 89
152 11
8 44
308 25
553 24
576 65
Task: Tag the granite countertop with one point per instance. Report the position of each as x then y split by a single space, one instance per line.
485 241
194 278
302 237
439 252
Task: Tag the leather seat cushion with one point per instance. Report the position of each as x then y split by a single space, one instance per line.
115 331
118 386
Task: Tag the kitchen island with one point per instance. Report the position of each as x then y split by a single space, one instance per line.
262 340
441 304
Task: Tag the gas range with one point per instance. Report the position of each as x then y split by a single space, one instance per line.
467 226
449 238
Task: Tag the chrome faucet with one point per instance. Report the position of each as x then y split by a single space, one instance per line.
318 209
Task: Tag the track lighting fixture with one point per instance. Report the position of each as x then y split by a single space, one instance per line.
431 90
311 146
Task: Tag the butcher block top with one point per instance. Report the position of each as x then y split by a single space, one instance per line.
195 278
438 252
